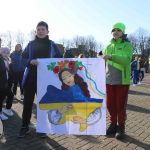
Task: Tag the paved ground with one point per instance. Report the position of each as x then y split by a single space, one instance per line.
137 129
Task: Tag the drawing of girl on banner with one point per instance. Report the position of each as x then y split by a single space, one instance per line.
72 102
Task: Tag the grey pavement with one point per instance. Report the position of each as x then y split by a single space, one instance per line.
137 129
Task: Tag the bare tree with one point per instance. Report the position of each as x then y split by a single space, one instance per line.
32 35
91 43
86 44
134 41
63 41
20 38
78 40
139 40
142 38
7 39
100 46
147 45
66 43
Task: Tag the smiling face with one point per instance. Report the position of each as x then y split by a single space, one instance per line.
41 31
67 78
116 33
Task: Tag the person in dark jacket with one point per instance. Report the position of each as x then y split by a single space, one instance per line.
135 67
9 95
41 47
4 90
17 66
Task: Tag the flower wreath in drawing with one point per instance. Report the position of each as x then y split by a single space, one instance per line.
59 66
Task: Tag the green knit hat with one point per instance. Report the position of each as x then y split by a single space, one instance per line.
120 26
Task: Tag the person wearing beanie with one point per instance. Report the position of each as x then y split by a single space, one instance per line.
119 26
118 55
40 47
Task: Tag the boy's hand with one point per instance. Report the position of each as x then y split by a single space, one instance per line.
107 57
34 62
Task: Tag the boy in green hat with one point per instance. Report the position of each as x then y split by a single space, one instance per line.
118 55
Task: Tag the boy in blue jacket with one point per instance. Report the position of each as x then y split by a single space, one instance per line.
41 47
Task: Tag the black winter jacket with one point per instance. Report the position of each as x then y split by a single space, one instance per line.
3 74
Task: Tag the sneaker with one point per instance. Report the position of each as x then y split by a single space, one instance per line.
111 130
134 84
139 83
22 97
120 134
3 117
23 131
8 112
42 135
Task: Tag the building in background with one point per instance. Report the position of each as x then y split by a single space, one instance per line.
75 52
61 48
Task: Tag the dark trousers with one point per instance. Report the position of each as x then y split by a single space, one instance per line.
117 96
17 78
141 75
9 99
30 90
2 97
7 92
135 76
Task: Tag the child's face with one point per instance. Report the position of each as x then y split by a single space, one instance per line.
116 33
18 47
136 58
68 78
41 31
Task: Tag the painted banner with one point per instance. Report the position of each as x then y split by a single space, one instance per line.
71 96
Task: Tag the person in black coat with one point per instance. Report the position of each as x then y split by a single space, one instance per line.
17 67
4 84
41 47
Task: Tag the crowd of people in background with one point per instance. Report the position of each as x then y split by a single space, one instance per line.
138 70
12 68
20 67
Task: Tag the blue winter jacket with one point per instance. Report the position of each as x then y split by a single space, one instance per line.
134 65
54 52
18 64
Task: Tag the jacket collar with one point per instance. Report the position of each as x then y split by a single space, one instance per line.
113 41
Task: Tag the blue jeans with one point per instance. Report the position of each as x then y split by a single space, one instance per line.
135 76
